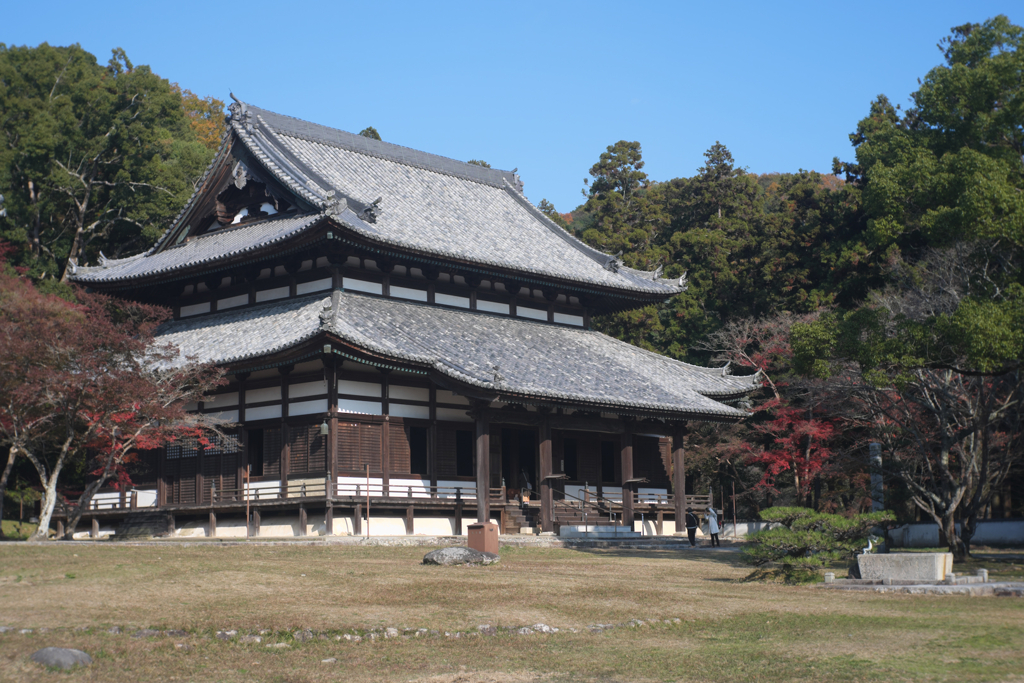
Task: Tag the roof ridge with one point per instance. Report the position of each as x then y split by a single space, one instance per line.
353 142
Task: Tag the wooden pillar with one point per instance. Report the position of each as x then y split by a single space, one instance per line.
255 522
679 478
659 525
286 447
95 531
483 466
627 474
357 520
212 533
432 443
546 495
409 520
331 366
302 520
170 524
329 518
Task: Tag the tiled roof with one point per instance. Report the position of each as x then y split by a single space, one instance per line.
213 246
429 204
509 356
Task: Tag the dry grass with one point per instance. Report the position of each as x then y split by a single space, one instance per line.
729 631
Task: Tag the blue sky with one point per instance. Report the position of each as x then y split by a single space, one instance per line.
542 86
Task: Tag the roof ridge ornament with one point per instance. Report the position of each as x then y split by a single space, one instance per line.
369 214
334 205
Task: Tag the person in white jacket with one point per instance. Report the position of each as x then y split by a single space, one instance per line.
713 527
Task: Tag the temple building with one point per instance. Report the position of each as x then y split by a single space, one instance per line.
409 347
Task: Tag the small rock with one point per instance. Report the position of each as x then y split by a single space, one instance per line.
373 636
525 631
303 636
43 630
25 631
78 629
421 632
250 639
391 633
448 557
487 630
5 629
227 635
182 646
677 620
544 628
61 657
357 639
278 646
116 630
329 660
145 633
176 633
265 632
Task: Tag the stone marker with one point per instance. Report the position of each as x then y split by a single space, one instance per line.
61 657
448 557
905 566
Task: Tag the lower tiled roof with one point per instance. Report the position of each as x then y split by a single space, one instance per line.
508 356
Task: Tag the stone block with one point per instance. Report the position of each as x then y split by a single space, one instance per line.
906 566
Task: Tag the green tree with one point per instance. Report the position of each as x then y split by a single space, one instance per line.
370 132
93 158
479 162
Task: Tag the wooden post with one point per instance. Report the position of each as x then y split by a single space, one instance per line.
256 521
357 520
385 435
546 495
679 478
367 500
458 511
329 518
170 525
627 474
213 525
483 466
302 520
286 449
248 469
409 512
660 524
95 531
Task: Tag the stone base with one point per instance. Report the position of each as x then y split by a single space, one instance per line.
905 566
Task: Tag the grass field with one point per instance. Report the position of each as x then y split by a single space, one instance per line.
729 630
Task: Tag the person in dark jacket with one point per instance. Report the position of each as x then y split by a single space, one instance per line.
691 526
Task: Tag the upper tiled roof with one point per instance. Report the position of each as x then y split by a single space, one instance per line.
508 356
429 205
213 246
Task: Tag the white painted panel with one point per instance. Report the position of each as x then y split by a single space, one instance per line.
492 307
271 294
453 414
468 489
409 393
222 400
402 410
567 319
347 386
346 405
261 395
232 302
449 300
356 486
307 389
444 396
308 407
314 286
263 413
533 313
420 488
227 415
195 309
613 493
362 286
652 495
407 293
146 498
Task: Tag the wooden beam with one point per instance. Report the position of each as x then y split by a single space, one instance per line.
458 518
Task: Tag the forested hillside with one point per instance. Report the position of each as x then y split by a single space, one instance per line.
884 301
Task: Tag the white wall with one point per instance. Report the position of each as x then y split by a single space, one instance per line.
989 532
